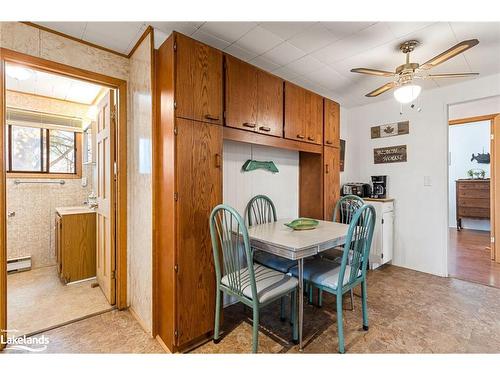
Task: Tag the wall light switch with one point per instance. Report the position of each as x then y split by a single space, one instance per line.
84 181
427 181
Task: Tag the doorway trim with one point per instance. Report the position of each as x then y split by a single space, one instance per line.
120 86
495 159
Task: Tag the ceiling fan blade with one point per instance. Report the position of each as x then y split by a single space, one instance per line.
373 72
452 75
448 54
381 89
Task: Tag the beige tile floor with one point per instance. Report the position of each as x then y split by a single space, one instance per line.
37 301
410 312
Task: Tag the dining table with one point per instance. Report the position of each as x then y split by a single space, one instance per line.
278 239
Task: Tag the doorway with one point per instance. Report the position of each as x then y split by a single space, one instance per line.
64 193
472 253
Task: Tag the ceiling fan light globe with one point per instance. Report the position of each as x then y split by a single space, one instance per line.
407 93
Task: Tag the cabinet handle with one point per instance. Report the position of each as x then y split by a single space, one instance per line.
265 128
217 160
329 142
212 117
249 125
327 169
300 136
310 138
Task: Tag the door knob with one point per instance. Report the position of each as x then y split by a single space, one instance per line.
11 214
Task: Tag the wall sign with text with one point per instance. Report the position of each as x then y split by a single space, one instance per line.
390 130
393 154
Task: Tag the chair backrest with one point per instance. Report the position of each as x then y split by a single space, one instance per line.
358 241
230 240
260 209
346 207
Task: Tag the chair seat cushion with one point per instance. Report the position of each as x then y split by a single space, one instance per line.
270 283
272 261
324 272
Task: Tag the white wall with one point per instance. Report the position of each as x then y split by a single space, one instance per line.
465 140
282 187
421 223
140 196
472 108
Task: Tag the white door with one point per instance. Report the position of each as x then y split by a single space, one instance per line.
105 186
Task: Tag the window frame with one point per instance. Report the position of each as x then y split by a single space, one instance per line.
45 160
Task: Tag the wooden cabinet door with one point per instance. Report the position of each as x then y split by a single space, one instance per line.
332 123
270 104
314 117
295 101
241 94
198 84
331 162
199 189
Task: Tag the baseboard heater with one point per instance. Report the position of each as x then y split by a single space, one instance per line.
18 264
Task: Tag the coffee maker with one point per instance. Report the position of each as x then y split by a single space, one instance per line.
379 187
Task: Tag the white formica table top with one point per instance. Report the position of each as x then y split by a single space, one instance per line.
278 239
75 210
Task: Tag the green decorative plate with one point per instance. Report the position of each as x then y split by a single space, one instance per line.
302 223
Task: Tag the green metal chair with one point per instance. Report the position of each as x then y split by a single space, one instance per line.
337 279
344 210
251 284
260 209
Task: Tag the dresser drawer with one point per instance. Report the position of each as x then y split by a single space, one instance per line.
473 185
474 193
482 213
474 202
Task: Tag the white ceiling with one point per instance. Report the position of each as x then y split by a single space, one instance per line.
54 86
319 55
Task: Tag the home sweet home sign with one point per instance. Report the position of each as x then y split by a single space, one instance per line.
392 154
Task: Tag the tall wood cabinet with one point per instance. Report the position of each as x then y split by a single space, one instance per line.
253 98
198 89
187 185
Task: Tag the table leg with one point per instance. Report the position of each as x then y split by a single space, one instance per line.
301 300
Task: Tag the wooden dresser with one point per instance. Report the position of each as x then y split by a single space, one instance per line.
473 200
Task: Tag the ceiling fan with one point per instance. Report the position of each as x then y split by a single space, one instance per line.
406 90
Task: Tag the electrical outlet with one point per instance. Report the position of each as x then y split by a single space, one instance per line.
84 181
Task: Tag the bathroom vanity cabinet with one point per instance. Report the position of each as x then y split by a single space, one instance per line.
75 237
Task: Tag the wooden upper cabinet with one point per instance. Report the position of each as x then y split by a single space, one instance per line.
241 94
314 117
303 114
198 84
332 123
270 104
331 180
254 98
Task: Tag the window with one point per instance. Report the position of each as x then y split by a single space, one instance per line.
41 148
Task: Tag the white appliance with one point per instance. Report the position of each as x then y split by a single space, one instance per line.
383 235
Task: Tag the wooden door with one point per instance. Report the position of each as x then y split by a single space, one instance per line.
295 101
314 117
199 190
270 104
331 160
198 84
241 94
332 123
105 188
495 188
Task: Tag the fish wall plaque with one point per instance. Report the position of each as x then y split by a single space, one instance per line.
390 130
481 158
